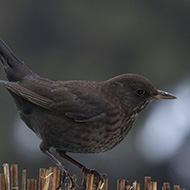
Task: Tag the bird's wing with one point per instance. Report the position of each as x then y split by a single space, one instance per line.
77 101
73 100
36 91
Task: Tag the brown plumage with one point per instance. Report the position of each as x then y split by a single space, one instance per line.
76 116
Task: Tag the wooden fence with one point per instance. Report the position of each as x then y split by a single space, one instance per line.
49 180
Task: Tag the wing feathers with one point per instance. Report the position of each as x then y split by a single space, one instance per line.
75 100
29 95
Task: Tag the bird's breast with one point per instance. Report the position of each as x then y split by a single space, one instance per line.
98 135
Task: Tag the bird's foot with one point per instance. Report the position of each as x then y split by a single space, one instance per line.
63 172
63 175
98 177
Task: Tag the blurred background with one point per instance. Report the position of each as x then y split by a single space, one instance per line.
97 40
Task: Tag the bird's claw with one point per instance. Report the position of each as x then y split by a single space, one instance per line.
98 176
63 175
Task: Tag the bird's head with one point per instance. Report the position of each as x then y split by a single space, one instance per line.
135 92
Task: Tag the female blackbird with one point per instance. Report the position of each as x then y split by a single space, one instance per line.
76 116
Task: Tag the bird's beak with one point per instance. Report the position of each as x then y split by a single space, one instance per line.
164 95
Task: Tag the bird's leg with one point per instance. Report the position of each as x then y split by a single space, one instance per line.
64 172
84 169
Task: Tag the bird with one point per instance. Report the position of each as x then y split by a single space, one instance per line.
76 116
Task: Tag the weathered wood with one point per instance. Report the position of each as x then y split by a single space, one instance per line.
154 185
49 179
103 185
24 180
166 185
147 183
176 187
90 182
2 182
52 183
7 176
32 184
42 174
122 184
14 177
138 186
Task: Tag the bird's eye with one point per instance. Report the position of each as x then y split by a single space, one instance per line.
140 92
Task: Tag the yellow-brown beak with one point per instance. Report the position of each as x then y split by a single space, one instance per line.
164 95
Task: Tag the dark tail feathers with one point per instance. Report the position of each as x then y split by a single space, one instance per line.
13 66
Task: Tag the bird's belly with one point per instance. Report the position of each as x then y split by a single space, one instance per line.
70 136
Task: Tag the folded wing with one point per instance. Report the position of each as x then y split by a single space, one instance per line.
76 100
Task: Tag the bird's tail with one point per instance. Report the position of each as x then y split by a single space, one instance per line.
13 66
